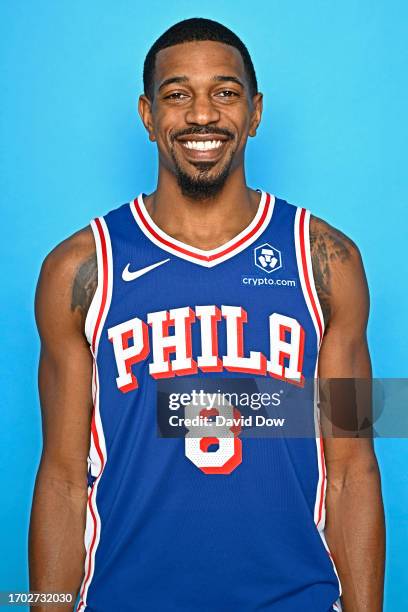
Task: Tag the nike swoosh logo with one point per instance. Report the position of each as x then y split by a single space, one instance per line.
127 275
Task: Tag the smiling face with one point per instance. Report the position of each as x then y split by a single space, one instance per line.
201 115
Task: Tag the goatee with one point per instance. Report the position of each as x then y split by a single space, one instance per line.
201 186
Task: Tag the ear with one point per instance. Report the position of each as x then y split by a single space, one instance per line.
145 112
256 115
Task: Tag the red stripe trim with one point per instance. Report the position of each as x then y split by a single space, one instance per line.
102 460
320 326
186 251
104 281
94 431
306 272
81 603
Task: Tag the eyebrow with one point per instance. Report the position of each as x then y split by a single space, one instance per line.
227 77
171 80
223 78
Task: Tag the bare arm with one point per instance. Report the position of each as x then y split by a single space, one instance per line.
56 540
355 529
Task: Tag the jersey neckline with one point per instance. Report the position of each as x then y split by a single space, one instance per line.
211 257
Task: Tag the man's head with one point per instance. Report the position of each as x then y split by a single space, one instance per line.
200 104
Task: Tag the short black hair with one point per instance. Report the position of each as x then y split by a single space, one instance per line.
196 29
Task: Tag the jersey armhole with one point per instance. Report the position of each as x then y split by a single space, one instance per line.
305 269
100 302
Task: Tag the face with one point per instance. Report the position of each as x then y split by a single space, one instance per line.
201 114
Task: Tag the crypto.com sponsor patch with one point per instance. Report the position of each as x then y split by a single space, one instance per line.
263 281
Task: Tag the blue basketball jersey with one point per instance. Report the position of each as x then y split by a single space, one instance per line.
200 523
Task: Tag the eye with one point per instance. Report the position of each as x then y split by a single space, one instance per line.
227 93
176 95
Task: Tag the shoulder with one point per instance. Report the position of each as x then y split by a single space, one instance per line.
68 277
70 251
337 245
64 261
337 267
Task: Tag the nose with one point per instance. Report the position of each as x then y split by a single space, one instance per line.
202 111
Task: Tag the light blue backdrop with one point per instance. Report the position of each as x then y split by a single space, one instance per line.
333 139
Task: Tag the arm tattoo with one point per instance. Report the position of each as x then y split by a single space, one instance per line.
84 286
327 245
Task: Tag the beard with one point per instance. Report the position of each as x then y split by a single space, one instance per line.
202 185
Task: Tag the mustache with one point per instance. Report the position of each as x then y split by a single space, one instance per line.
202 131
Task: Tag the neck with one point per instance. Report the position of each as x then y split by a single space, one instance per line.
204 224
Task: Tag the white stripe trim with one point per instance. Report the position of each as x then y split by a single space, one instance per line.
306 235
94 459
110 282
201 252
93 310
318 342
311 276
90 527
95 305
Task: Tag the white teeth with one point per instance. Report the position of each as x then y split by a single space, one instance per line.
202 145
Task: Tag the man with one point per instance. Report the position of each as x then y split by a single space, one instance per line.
204 277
